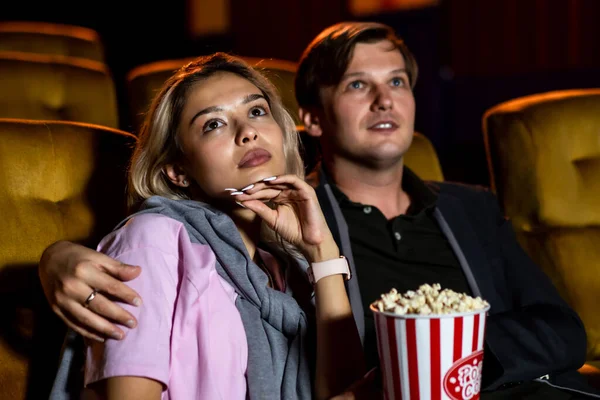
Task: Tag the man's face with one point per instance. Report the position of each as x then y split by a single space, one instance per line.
368 118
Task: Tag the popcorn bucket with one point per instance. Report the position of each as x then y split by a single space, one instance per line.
437 357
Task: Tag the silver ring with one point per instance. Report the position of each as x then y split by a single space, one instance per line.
89 299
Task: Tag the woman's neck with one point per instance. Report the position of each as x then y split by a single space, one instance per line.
249 225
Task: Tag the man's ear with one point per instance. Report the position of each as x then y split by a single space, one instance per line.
177 175
311 122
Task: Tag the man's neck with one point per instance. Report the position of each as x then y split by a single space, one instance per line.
379 187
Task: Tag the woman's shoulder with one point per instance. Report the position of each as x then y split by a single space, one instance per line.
145 231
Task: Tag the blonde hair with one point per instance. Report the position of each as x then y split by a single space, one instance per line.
158 143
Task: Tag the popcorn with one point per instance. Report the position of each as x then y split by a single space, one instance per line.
428 300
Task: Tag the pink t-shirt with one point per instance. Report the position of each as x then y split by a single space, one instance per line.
190 335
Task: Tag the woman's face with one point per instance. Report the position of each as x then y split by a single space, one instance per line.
228 136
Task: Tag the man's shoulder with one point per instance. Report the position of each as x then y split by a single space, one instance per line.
459 190
475 202
478 201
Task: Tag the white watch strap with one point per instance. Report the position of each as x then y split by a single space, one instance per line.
320 270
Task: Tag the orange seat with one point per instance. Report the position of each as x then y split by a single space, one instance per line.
51 87
422 158
544 157
51 38
58 181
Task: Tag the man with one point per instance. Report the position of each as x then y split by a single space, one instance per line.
354 87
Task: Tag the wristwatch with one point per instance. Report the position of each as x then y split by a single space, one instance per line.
319 270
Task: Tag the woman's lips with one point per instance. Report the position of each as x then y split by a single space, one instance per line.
254 158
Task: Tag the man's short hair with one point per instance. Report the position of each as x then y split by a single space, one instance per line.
326 59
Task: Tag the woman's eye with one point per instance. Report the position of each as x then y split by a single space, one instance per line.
257 111
211 125
356 84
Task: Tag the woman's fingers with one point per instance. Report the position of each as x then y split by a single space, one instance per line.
293 210
281 182
262 210
263 194
293 181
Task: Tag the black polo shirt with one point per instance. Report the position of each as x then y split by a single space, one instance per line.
403 253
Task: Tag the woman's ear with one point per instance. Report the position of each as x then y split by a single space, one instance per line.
311 122
177 175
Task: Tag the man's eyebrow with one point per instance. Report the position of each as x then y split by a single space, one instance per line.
359 74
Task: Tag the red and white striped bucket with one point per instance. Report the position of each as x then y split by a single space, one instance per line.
431 357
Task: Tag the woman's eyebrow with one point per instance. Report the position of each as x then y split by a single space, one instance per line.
248 99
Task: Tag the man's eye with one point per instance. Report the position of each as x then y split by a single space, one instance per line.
398 82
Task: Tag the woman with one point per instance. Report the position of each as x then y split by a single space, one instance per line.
224 229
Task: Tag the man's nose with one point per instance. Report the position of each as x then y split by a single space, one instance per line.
383 98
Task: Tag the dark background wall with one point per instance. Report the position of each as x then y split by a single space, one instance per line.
472 54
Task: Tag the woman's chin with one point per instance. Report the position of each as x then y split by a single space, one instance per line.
260 175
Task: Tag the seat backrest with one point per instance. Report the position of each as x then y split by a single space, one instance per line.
551 142
58 181
145 81
544 159
422 158
50 87
282 74
51 38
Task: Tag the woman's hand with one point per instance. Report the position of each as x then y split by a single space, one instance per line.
69 273
293 211
295 215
